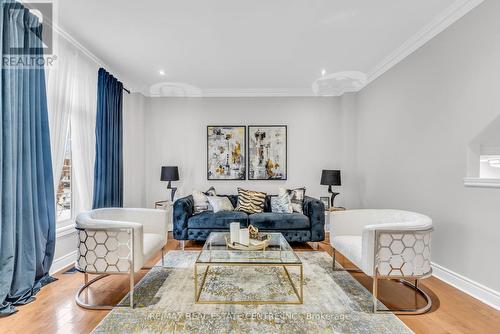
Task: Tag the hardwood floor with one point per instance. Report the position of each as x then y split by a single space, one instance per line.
55 310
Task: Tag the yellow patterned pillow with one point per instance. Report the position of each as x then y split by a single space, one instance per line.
250 201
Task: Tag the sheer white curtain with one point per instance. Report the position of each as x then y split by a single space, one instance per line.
83 118
72 98
59 94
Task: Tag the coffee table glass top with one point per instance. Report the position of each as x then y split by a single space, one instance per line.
278 252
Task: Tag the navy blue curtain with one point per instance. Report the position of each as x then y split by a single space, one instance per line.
108 168
27 205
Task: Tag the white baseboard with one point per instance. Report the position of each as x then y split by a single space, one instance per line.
63 262
474 289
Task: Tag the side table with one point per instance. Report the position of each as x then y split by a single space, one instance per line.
328 214
166 205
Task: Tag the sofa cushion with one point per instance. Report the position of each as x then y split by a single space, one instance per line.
222 219
279 221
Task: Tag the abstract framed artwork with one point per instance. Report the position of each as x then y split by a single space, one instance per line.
226 149
267 152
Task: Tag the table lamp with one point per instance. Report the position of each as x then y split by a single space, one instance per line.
170 173
331 178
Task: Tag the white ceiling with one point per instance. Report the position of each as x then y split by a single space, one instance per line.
220 47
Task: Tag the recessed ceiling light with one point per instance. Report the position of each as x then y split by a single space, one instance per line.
161 72
323 72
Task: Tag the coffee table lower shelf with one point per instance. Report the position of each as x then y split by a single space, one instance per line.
299 292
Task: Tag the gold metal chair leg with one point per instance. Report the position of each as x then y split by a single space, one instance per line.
415 287
85 286
162 262
374 294
85 304
349 270
131 293
162 257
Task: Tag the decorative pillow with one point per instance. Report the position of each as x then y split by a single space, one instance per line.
296 198
250 201
201 203
210 192
220 203
281 204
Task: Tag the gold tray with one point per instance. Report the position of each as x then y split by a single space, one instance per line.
262 245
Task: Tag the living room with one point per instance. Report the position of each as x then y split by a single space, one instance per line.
241 167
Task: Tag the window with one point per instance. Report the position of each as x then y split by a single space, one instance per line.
63 195
483 157
489 167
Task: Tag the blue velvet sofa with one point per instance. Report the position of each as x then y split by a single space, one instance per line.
296 227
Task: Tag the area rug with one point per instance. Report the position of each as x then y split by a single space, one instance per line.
334 302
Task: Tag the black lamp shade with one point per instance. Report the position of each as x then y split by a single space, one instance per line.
331 178
169 173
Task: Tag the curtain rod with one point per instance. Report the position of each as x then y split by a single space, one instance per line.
125 89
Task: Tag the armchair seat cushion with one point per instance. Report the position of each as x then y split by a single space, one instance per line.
351 247
218 220
279 221
150 244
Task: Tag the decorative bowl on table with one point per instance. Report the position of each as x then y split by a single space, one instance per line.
260 242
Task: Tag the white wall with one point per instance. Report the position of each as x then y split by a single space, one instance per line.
348 136
414 126
176 134
134 185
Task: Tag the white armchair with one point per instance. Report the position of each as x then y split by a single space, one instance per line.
117 241
385 244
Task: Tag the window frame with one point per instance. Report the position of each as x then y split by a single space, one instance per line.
62 223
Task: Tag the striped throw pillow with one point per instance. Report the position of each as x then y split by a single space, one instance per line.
250 201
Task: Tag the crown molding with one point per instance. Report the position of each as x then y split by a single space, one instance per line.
424 35
452 14
89 54
64 34
257 92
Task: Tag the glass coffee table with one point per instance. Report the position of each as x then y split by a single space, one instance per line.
278 253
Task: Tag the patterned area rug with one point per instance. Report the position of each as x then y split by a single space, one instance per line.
334 302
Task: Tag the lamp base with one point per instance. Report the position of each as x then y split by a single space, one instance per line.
172 191
332 199
333 196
